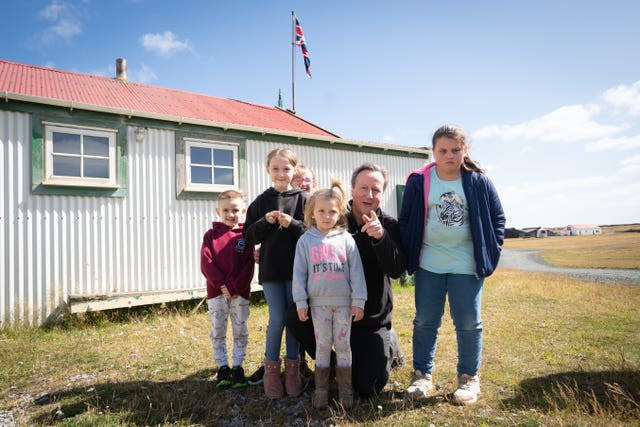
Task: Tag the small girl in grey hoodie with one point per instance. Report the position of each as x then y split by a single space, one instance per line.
329 280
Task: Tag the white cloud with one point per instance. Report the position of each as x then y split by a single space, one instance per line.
53 11
560 186
631 166
624 97
595 199
543 182
388 139
66 28
618 144
566 124
144 75
165 44
65 21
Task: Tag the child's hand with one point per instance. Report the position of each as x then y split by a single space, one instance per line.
272 216
357 313
225 292
284 219
302 314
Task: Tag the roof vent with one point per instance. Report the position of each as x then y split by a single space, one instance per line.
121 69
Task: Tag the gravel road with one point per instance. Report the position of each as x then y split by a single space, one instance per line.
530 261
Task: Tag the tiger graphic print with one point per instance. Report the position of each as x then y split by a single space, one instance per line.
450 209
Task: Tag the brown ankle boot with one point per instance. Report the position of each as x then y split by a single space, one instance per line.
271 381
320 398
292 377
345 388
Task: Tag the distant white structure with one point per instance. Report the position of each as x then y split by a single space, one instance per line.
538 232
581 230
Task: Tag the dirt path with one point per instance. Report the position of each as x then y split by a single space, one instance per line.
530 261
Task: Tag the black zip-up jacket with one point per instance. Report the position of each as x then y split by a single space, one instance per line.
382 260
278 244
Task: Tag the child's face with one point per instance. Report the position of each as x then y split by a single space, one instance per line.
231 211
449 154
326 214
281 173
304 181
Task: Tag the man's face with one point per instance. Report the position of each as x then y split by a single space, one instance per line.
366 193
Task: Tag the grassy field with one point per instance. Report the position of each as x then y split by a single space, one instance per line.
557 352
615 248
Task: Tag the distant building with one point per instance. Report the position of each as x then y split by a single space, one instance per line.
581 230
537 232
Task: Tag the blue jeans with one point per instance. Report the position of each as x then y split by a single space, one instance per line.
465 294
279 299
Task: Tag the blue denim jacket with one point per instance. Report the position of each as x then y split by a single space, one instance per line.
485 215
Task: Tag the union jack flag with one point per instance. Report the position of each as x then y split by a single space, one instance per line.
303 46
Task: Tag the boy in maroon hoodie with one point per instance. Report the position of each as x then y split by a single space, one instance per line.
228 265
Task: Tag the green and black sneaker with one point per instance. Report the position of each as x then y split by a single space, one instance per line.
224 377
238 378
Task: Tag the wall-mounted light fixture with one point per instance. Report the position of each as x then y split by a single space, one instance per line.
141 134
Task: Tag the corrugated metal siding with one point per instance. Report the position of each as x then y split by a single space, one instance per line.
56 246
329 163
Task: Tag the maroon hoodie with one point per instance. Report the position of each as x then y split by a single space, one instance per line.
226 260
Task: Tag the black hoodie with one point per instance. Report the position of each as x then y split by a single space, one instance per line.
278 244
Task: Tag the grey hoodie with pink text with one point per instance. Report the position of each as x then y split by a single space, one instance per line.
327 270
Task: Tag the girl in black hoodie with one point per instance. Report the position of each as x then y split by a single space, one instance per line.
275 220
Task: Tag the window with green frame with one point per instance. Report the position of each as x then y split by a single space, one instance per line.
79 156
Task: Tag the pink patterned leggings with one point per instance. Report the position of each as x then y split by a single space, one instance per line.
332 328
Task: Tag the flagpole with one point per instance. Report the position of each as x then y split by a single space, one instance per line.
293 60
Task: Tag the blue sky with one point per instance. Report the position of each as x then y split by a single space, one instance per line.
548 90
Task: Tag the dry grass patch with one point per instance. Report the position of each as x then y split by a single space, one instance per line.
557 352
614 250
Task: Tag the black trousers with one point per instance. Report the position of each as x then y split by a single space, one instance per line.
370 352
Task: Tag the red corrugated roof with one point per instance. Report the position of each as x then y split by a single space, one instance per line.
144 99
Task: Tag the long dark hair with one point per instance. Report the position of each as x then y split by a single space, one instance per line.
457 133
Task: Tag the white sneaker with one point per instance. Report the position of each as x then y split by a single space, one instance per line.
468 389
421 385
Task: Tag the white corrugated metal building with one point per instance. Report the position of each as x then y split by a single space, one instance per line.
123 226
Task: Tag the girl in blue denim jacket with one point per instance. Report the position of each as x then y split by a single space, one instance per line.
452 226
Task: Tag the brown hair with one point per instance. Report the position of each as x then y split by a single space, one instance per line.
372 168
338 193
282 152
458 134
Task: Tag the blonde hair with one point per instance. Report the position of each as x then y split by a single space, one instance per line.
283 152
458 134
338 193
302 169
230 194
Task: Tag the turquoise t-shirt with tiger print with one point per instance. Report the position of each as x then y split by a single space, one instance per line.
447 244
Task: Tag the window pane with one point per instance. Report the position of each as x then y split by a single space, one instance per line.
200 156
200 175
223 157
96 146
66 143
66 166
96 168
223 176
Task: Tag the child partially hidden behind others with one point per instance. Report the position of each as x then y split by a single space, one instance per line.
228 265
